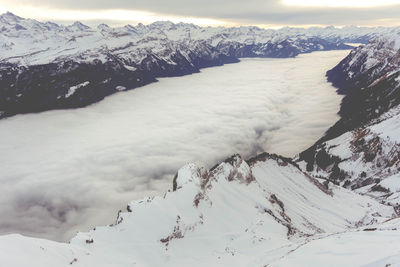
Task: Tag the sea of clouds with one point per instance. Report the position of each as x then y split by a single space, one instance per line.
69 170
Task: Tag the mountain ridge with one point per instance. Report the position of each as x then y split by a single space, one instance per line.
247 214
128 57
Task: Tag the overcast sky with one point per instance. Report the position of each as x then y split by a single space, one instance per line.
213 12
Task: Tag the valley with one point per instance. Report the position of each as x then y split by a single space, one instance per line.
83 165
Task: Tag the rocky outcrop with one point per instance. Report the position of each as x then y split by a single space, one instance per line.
365 159
361 150
66 84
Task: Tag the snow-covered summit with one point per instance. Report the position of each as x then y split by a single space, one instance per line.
78 26
10 18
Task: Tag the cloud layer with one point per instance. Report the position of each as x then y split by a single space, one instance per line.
69 170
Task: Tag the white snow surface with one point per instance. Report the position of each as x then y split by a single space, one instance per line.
266 213
81 166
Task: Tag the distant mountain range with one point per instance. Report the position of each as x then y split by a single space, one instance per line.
48 66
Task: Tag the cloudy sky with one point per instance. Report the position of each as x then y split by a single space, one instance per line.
265 13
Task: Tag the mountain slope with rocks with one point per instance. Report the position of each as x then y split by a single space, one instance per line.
361 151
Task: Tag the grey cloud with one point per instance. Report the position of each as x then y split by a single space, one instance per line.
246 12
333 16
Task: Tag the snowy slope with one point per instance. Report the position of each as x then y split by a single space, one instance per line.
236 214
365 159
361 151
373 246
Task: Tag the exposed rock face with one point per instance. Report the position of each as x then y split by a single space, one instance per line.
66 84
370 79
361 151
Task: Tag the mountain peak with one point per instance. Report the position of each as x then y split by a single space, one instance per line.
103 27
52 25
10 17
10 14
77 25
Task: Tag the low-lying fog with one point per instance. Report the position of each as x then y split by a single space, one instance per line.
69 170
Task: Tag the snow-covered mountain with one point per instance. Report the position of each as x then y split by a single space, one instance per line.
347 34
49 42
255 213
361 151
29 42
48 66
365 159
370 79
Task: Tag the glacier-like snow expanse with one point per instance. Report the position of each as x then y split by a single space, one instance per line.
69 170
